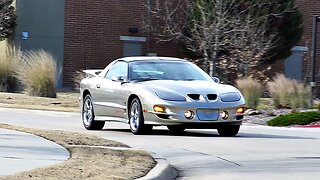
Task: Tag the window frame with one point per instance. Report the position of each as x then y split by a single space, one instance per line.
119 61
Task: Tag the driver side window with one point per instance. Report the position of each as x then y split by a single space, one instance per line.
120 68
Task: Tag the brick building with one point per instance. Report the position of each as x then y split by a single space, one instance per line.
309 8
97 32
90 34
86 34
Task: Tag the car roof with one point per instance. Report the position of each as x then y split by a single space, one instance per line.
150 58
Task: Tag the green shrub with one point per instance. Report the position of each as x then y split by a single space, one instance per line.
251 90
38 73
9 59
288 93
300 118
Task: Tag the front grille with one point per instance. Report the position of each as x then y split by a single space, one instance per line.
212 97
194 96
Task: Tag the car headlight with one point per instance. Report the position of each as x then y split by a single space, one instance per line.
224 115
169 96
189 114
240 110
230 97
159 109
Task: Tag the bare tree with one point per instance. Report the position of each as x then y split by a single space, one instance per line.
249 42
226 34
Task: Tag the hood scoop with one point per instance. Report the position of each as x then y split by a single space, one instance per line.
195 97
212 97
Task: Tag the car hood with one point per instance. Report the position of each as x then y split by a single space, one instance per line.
179 89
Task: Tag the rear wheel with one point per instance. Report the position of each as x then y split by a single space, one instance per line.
88 115
136 119
176 129
229 131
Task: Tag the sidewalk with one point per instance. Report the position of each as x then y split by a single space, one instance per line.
22 152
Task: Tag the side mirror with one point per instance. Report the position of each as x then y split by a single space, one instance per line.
216 79
118 79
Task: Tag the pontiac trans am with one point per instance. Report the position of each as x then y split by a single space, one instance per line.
159 91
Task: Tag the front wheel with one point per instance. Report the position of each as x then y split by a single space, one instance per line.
136 119
88 115
229 131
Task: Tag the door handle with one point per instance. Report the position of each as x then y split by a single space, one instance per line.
98 86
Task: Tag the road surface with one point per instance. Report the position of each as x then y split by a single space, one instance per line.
258 152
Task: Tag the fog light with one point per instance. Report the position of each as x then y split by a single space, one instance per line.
240 110
159 109
189 114
224 115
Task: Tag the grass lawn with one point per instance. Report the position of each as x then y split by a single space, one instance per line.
65 101
88 159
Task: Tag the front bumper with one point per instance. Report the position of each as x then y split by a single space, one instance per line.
175 115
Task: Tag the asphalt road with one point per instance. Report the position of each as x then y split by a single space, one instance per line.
258 152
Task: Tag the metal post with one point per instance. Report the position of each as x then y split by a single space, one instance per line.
316 19
314 47
149 24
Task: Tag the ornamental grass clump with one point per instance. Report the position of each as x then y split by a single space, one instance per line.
38 73
251 90
79 75
288 93
9 60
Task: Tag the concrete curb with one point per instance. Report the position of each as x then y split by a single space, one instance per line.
162 171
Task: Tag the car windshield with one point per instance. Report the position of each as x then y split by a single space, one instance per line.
166 70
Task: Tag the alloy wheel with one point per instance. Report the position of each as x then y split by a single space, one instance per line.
134 116
87 112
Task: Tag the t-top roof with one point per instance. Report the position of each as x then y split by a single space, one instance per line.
150 58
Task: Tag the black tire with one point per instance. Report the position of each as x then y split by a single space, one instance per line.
176 129
136 118
229 131
88 115
148 128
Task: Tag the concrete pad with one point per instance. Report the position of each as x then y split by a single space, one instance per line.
22 152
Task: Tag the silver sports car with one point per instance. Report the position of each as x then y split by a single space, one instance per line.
159 91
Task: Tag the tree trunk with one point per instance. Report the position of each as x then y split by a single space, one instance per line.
214 58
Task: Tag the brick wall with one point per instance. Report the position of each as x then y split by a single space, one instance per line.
309 8
93 29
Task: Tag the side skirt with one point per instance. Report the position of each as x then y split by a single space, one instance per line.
110 119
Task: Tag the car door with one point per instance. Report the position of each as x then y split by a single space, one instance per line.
109 100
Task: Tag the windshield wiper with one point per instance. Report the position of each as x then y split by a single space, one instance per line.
184 79
145 79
